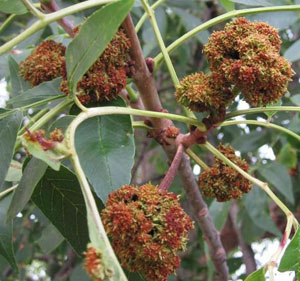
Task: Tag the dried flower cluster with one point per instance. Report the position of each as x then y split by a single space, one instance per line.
39 136
45 63
103 81
94 264
221 181
246 55
147 228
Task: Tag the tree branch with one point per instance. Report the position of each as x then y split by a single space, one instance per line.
146 86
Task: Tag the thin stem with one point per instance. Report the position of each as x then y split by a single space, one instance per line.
33 119
41 122
93 213
32 9
79 104
264 186
264 124
262 110
170 175
221 18
140 125
133 95
201 163
8 190
144 17
7 23
160 41
40 24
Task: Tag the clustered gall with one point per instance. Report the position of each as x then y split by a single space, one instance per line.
221 181
147 227
244 57
103 81
39 137
94 264
45 63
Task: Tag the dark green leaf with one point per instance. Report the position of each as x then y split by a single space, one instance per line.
293 52
46 90
277 175
92 39
258 275
250 142
79 274
9 127
296 98
6 242
288 156
219 213
291 258
251 232
256 205
62 123
50 239
18 84
12 7
33 173
59 197
105 147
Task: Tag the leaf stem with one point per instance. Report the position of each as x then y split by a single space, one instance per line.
32 9
8 190
262 110
261 123
201 163
7 22
264 186
41 23
144 17
221 18
133 95
141 125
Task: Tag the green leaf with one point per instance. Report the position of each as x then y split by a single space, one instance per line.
59 197
46 90
33 173
271 113
256 204
12 7
288 156
48 156
258 275
92 39
50 239
79 274
253 2
228 5
18 84
293 53
250 142
296 99
219 213
6 241
291 258
9 127
105 147
14 171
62 123
277 175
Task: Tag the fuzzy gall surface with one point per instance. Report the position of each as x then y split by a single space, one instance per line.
246 54
147 227
94 265
204 92
223 182
45 63
107 76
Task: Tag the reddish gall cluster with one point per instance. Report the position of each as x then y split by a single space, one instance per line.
246 55
147 228
103 81
39 137
221 181
94 264
45 63
107 76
